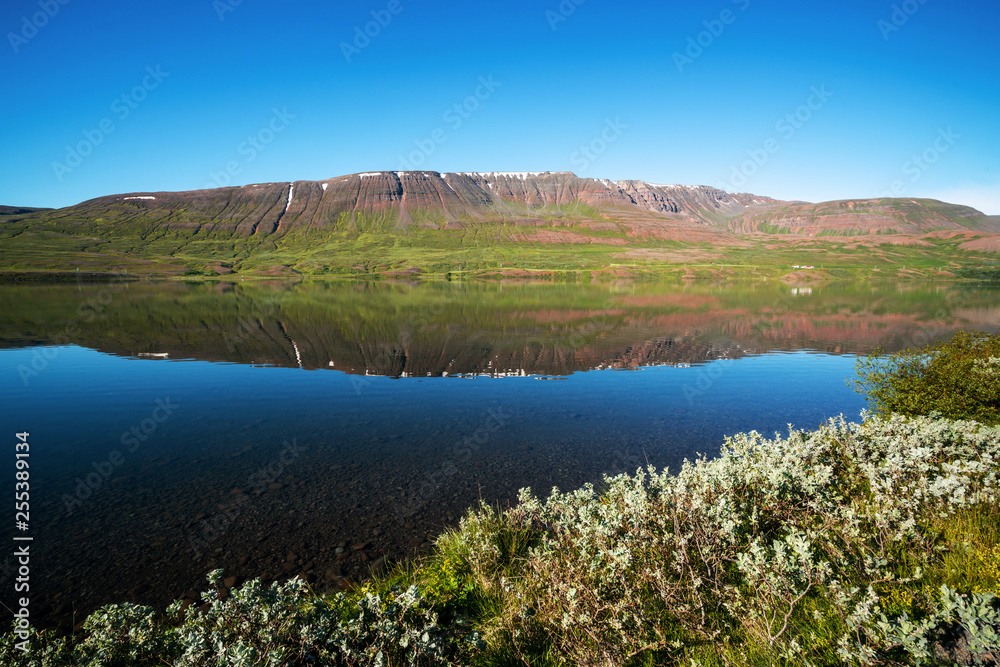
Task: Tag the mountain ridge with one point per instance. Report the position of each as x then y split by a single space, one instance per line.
446 197
387 221
416 197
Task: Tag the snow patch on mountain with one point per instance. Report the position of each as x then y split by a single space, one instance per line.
523 175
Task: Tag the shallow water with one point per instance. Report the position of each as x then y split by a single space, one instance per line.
176 428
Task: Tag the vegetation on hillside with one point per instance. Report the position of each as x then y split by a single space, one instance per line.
368 245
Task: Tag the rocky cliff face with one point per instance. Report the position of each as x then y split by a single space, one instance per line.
403 199
414 197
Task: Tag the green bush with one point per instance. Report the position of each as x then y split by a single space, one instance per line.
958 379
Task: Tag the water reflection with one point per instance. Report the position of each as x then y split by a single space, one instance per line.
402 330
310 418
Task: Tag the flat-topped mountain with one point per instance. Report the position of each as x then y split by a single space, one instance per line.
435 200
391 221
424 198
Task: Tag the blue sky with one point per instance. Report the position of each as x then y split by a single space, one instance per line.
811 101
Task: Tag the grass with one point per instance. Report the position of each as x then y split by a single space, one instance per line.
973 561
365 245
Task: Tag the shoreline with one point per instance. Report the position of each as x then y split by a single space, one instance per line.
578 552
681 275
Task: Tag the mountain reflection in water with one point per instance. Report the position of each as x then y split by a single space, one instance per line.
265 470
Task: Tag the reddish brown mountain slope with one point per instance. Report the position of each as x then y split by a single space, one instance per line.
629 209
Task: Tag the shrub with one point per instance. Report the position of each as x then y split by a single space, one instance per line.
959 379
797 550
279 625
853 544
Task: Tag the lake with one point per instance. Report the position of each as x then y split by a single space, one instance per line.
321 429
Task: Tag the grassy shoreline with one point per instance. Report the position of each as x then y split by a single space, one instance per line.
483 250
871 544
710 272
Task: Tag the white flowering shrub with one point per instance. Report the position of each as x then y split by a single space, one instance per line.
122 635
855 544
256 626
765 543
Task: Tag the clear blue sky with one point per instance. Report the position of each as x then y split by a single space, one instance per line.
895 90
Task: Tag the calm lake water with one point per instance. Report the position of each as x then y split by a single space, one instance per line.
262 428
